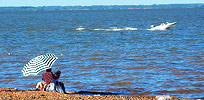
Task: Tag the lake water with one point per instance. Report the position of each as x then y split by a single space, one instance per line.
108 51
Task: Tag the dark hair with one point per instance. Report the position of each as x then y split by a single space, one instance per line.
58 72
48 70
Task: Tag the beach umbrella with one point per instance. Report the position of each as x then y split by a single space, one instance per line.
38 64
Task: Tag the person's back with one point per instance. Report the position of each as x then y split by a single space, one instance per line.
47 76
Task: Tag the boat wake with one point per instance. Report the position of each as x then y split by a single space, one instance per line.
159 27
106 29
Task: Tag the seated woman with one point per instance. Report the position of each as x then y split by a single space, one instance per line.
55 80
47 77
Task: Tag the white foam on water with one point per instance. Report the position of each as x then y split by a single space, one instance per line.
80 28
108 29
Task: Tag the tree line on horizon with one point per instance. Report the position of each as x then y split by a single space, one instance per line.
100 7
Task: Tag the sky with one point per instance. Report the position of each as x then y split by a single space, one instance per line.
5 3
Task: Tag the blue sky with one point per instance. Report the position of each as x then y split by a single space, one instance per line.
91 2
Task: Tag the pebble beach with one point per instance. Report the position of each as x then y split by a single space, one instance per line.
13 94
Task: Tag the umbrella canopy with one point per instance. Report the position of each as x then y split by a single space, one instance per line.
38 64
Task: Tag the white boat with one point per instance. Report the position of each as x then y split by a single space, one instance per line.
162 26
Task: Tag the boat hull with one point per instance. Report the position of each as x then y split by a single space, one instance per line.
163 26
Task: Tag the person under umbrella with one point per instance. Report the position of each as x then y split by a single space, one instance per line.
56 81
49 78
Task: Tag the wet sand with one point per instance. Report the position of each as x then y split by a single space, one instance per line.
10 93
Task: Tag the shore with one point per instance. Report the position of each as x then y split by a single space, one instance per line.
10 93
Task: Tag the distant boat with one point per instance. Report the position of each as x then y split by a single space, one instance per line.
162 26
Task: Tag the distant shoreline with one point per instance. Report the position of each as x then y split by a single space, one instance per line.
101 7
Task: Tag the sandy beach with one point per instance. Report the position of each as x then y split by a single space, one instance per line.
10 93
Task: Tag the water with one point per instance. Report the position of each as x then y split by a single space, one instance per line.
109 51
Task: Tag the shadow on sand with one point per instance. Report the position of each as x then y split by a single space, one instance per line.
94 93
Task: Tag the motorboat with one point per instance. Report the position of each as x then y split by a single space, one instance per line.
162 26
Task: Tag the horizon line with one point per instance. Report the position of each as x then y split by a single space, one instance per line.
102 5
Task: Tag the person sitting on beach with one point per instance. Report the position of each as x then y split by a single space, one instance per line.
47 77
55 80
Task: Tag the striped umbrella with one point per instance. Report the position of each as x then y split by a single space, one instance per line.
38 64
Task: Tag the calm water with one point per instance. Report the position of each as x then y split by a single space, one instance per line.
98 58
